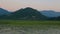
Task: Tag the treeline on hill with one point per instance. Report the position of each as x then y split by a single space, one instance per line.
27 14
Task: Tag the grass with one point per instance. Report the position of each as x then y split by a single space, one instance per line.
29 22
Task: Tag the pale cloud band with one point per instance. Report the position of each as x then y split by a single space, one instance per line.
37 4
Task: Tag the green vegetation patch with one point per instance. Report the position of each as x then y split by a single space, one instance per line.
29 22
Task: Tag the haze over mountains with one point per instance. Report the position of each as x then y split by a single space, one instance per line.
48 13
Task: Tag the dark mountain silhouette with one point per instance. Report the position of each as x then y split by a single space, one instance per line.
4 12
50 13
30 14
27 13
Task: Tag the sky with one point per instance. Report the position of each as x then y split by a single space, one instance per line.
13 5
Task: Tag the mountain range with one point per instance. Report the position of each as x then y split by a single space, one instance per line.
48 13
28 13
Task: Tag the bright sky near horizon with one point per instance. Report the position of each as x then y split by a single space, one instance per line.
37 4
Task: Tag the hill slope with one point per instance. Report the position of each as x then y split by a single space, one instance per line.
27 13
4 12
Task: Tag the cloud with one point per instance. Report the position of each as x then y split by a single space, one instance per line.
38 4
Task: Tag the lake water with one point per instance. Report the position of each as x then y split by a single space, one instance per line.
30 29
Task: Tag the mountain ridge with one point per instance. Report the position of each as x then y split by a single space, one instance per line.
4 12
27 13
30 14
48 13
